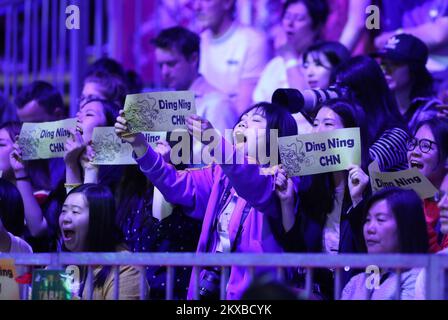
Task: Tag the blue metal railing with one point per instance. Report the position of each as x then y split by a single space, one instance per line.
435 266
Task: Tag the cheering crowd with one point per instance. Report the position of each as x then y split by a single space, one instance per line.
396 94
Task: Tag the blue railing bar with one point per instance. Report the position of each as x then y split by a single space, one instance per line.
54 41
398 284
337 284
169 282
223 284
142 283
280 274
116 270
27 43
44 32
308 282
8 49
195 273
62 46
35 38
98 28
89 283
15 38
262 260
4 3
138 35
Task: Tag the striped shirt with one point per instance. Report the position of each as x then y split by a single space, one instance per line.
390 150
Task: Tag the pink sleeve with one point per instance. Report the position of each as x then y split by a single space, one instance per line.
189 189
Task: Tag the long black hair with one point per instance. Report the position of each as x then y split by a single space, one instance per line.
12 212
102 233
365 81
317 192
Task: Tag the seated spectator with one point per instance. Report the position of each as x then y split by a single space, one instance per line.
11 220
87 224
40 102
420 285
32 180
428 152
320 62
221 193
302 21
177 54
321 213
232 55
394 223
364 80
424 19
403 60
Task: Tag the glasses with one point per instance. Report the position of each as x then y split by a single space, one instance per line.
425 145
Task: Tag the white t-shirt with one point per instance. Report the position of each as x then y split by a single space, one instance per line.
274 76
240 53
331 234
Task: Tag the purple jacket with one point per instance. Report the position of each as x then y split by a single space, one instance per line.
199 192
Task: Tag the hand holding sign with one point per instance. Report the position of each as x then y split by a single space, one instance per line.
199 128
357 183
15 159
136 140
283 186
159 111
73 147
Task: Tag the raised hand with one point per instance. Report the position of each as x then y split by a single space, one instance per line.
164 148
122 130
198 127
284 187
357 183
74 146
15 159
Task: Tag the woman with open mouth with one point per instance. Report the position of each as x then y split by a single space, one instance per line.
236 202
87 224
428 152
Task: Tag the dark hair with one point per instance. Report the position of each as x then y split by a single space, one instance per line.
422 81
317 192
102 234
134 82
107 65
439 129
178 39
11 208
45 94
352 116
38 170
365 81
8 112
407 208
277 117
110 109
112 87
335 52
318 10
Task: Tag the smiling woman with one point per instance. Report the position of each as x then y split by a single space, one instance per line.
87 224
428 152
